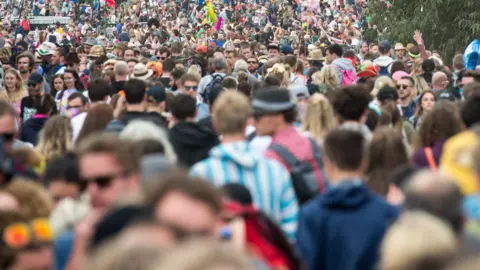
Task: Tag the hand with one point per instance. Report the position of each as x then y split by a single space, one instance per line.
418 37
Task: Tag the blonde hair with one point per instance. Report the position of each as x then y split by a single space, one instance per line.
55 137
230 112
195 69
328 75
417 67
34 200
282 72
381 82
319 117
202 254
418 241
19 92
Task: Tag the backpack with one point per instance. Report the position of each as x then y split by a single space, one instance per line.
348 76
304 180
383 71
216 80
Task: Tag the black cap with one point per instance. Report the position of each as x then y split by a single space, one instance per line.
387 93
156 94
35 78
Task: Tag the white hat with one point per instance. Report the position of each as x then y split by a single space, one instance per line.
141 72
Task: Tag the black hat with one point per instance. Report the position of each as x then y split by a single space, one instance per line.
272 100
387 93
446 96
156 94
35 78
273 46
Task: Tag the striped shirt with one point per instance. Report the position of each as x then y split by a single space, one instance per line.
267 180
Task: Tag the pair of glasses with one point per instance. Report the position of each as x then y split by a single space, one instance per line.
105 180
402 86
194 88
161 58
32 84
7 136
23 235
74 107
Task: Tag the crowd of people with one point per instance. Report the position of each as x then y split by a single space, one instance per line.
232 135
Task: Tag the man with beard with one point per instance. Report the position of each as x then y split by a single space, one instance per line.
175 77
253 66
25 62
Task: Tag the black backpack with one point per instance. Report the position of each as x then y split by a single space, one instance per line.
216 80
304 180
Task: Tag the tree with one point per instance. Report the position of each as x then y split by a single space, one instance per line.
447 25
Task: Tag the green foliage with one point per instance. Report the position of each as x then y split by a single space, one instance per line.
447 25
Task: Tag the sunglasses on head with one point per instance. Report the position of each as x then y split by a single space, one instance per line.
103 181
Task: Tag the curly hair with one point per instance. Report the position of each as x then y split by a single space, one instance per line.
55 138
35 202
440 124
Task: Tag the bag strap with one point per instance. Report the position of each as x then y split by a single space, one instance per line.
285 154
430 159
317 155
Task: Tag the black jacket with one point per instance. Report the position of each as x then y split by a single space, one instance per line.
30 129
192 142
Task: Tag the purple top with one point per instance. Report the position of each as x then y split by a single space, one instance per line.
420 159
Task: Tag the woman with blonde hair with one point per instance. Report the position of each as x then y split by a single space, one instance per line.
319 117
55 137
420 84
282 72
326 79
14 89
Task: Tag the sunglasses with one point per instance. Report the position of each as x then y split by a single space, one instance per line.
194 88
402 86
7 136
23 235
161 58
104 181
32 84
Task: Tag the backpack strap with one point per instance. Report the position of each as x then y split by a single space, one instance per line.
317 155
251 136
285 154
430 159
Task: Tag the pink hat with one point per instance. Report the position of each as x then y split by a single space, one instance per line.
399 74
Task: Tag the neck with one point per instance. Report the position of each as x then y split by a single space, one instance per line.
135 107
119 78
233 138
154 109
25 76
404 102
281 126
166 74
340 176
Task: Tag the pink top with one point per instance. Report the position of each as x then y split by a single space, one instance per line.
297 144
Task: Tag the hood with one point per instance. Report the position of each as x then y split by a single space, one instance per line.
239 153
383 61
35 124
343 63
351 194
193 135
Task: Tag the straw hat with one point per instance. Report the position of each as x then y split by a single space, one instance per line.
141 72
96 51
399 47
315 55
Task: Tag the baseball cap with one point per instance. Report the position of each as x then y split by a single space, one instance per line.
385 45
156 94
35 78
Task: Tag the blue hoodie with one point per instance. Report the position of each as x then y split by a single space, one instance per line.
343 228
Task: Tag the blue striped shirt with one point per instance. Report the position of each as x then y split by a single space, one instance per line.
268 181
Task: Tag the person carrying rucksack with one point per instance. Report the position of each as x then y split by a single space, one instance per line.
346 74
384 61
274 113
208 82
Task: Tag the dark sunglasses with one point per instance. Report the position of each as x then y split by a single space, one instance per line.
31 84
194 88
402 86
161 58
7 136
103 181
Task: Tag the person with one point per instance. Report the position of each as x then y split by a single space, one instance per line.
342 66
399 52
319 118
121 73
25 62
57 84
425 104
167 69
72 85
274 113
30 129
347 209
175 77
96 120
220 66
8 128
55 139
273 50
252 62
405 88
440 84
13 90
326 79
191 141
62 179
189 86
384 61
230 114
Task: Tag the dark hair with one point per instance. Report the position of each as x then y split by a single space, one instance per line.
471 89
345 148
97 120
290 60
177 73
238 193
44 104
78 82
440 124
245 88
78 95
470 111
31 59
335 49
183 106
98 90
229 83
271 81
408 78
397 66
53 91
401 176
65 169
168 65
146 147
350 102
135 91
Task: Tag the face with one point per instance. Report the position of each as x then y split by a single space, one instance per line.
428 101
399 54
265 125
11 81
404 88
364 48
374 49
196 217
58 83
273 53
329 57
60 189
247 52
129 54
55 58
69 80
34 89
106 180
75 104
7 130
38 259
252 65
87 49
131 65
231 58
190 88
23 65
